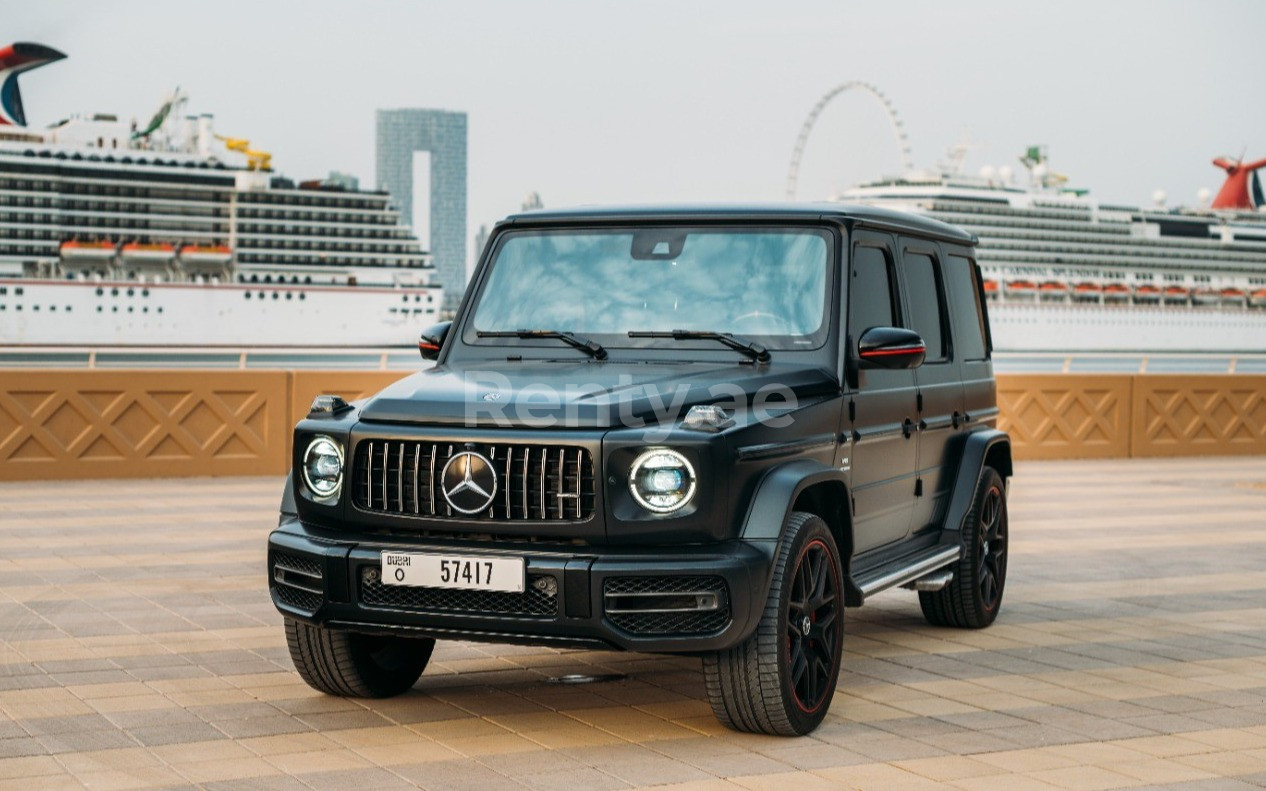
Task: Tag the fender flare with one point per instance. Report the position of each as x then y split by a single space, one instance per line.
776 493
771 505
978 448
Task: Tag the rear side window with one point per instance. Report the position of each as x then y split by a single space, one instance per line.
969 318
870 292
927 311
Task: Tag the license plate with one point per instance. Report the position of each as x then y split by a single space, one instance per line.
464 572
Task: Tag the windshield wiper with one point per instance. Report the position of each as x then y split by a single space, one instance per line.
753 350
587 346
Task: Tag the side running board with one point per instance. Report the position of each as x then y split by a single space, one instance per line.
907 569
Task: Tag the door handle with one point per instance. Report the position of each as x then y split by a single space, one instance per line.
907 428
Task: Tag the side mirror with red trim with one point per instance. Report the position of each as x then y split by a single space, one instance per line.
890 347
432 339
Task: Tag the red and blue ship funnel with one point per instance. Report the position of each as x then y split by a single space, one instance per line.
15 59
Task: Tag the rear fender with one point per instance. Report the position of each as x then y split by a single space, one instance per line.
980 449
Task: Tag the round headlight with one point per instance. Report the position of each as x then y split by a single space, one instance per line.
661 480
323 467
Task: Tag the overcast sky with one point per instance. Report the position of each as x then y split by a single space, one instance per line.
605 102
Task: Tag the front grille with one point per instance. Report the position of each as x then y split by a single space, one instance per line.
666 605
534 482
298 581
535 601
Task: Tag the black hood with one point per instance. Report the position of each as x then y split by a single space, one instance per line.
583 394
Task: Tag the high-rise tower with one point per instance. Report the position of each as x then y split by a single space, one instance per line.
442 133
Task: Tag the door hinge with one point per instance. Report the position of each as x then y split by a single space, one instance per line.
920 400
852 411
918 487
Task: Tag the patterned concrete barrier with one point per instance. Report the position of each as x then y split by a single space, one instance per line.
160 423
1198 415
1066 416
130 424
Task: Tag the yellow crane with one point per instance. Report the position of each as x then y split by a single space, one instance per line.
255 160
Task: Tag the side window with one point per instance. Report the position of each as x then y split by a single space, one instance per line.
870 291
969 318
927 303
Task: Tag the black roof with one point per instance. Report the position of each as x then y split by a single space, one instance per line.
854 214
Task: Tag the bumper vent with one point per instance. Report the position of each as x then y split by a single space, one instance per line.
539 600
298 581
667 605
534 482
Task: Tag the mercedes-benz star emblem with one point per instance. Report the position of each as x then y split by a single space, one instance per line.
468 482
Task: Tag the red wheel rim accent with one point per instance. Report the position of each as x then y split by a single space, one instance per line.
812 636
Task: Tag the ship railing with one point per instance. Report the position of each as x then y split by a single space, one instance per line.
404 358
1129 362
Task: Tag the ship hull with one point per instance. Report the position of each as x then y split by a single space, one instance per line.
1137 328
56 313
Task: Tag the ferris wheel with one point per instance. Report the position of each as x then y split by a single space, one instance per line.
793 174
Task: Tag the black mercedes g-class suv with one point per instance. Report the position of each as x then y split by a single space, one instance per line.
697 430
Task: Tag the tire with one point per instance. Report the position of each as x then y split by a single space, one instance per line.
356 665
781 680
972 599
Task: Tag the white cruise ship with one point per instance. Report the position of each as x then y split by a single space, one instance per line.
1066 273
114 234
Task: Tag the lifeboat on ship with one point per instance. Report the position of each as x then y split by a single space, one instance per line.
1206 296
1087 292
1052 290
1233 296
1177 294
1021 288
87 251
205 257
1116 292
206 254
991 289
1147 293
1258 298
149 254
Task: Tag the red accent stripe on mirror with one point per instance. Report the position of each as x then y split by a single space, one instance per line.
893 352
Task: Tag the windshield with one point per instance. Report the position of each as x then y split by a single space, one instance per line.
767 284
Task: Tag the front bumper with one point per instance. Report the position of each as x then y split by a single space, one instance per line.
598 597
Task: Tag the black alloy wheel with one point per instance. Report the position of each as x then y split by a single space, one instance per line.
812 610
781 679
973 597
991 571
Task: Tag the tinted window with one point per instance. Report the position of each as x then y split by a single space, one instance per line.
964 294
870 292
768 283
927 314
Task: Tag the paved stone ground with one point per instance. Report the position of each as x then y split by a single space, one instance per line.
140 650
